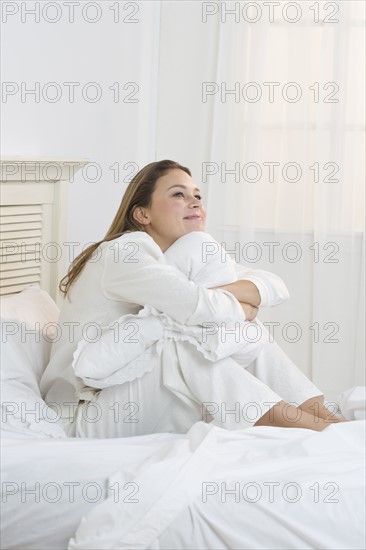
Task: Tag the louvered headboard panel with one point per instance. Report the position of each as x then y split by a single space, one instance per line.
21 233
33 214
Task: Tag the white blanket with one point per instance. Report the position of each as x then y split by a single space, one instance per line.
261 488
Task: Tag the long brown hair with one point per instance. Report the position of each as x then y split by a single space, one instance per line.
138 193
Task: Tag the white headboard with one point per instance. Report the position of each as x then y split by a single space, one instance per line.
33 218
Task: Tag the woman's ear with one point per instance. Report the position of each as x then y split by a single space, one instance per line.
140 216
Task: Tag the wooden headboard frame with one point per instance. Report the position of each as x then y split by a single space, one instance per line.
33 222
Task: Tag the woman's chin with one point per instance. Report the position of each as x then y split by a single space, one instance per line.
194 225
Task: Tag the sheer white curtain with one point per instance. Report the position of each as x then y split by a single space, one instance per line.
285 177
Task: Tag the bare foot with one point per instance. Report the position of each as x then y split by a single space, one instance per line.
284 415
315 406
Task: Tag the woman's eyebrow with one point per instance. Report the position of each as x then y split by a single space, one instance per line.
183 187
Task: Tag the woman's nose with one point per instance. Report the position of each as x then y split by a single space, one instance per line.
195 202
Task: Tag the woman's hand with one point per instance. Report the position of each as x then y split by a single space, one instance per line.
249 310
244 291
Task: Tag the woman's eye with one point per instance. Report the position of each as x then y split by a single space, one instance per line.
181 193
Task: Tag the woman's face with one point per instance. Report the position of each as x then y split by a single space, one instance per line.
176 209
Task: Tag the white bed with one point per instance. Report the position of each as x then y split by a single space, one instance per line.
260 488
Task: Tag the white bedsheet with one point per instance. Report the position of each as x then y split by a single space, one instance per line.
317 479
50 482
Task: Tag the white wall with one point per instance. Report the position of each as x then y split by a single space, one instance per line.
188 49
167 53
106 132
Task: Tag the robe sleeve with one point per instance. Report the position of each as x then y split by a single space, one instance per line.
135 271
272 289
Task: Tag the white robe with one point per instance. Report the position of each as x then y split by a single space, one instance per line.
107 363
180 384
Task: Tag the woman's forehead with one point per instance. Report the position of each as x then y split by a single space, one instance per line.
176 178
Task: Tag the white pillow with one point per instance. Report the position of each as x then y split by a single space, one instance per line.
352 403
30 310
24 356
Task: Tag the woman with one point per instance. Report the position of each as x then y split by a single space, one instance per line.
119 275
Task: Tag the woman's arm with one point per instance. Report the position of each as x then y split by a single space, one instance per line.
272 290
244 291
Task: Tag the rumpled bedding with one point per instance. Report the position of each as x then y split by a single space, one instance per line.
258 488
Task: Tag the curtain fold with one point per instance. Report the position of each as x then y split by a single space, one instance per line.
285 178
